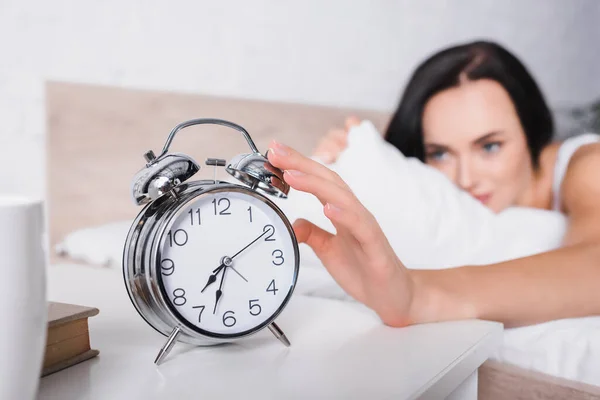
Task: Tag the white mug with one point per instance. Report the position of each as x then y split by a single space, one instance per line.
23 309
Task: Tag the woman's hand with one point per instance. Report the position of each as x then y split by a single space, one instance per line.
359 256
336 140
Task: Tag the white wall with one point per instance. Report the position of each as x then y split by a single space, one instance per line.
333 52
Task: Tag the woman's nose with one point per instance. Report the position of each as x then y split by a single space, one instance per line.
465 175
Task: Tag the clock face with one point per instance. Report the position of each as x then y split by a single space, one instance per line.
228 263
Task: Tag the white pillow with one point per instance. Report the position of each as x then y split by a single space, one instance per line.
99 245
428 220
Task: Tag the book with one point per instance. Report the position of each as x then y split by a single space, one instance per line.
68 336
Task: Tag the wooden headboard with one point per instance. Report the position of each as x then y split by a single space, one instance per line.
96 137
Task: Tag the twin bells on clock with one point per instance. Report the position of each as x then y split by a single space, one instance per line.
165 172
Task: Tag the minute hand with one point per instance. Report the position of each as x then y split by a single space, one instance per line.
249 244
219 292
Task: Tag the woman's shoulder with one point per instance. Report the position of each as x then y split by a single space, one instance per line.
580 145
575 159
573 151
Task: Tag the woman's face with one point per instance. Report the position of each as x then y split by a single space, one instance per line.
473 135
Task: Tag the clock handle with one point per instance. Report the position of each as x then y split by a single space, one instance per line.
212 121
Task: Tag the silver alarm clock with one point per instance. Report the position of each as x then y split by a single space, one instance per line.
208 261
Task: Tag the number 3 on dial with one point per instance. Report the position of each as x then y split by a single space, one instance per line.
278 254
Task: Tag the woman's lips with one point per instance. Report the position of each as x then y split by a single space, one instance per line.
484 198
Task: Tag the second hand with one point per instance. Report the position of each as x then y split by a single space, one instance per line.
235 270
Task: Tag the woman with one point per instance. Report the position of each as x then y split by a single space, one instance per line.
475 113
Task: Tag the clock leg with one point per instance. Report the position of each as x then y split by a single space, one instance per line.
276 330
167 346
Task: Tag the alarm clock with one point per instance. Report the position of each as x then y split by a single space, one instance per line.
208 261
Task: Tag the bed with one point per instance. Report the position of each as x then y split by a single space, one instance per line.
96 140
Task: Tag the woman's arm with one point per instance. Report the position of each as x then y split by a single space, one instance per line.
557 284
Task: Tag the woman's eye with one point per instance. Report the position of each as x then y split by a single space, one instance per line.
492 147
438 155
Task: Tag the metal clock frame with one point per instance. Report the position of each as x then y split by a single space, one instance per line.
142 255
162 186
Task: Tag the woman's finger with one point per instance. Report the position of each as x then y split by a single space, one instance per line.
339 137
324 145
351 122
362 226
336 140
317 238
321 188
342 208
286 158
325 156
328 152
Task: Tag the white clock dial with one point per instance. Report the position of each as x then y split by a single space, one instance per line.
227 263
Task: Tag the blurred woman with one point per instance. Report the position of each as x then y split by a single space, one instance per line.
476 114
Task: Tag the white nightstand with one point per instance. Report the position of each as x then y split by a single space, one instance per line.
339 350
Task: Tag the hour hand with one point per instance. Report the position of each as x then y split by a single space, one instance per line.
213 277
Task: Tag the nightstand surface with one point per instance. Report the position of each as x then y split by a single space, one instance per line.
339 350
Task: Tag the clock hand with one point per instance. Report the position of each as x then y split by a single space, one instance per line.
219 292
249 244
220 267
236 271
213 277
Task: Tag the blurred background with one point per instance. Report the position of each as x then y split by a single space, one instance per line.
356 54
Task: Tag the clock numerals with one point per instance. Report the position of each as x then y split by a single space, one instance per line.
250 212
229 320
271 230
201 311
179 297
179 238
194 218
225 202
272 287
278 254
167 267
255 309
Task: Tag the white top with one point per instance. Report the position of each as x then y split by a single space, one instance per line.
565 153
339 350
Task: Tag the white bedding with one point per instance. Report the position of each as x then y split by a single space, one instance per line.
431 224
567 348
